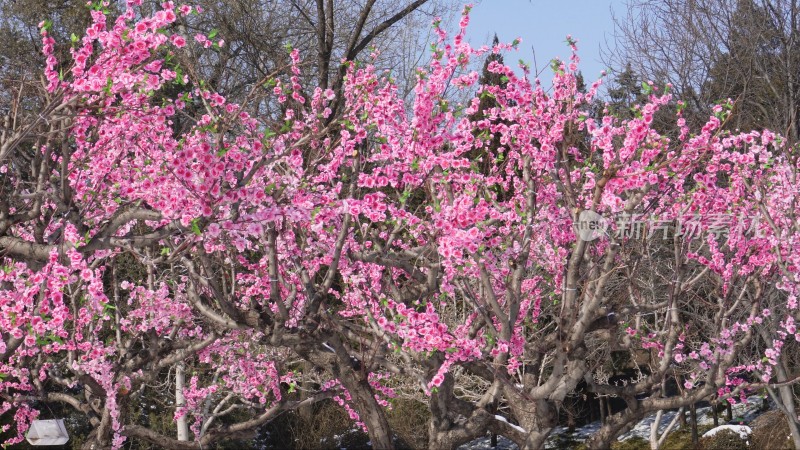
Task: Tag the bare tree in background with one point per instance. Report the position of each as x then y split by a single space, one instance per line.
714 49
256 35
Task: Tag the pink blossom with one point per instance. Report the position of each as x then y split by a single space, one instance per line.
178 40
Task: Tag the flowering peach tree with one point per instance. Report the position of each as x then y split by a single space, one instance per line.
153 223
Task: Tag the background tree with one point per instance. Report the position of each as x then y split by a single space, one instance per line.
711 50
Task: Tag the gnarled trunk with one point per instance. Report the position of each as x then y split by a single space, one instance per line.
370 412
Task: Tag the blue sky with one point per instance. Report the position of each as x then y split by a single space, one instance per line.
543 26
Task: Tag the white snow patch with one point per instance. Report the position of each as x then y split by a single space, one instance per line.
516 427
742 411
745 412
742 430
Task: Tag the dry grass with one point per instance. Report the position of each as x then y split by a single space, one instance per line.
409 421
771 431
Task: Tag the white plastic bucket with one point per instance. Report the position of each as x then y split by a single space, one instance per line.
47 432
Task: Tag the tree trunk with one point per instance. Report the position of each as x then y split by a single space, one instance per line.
616 425
787 398
570 421
602 409
654 430
656 439
100 437
693 416
536 440
715 413
369 411
602 439
440 425
180 401
451 424
493 439
306 412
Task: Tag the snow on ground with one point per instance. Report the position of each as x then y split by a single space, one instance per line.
742 430
742 412
485 443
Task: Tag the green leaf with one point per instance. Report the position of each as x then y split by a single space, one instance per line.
196 227
646 88
404 197
73 38
179 75
213 34
555 66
